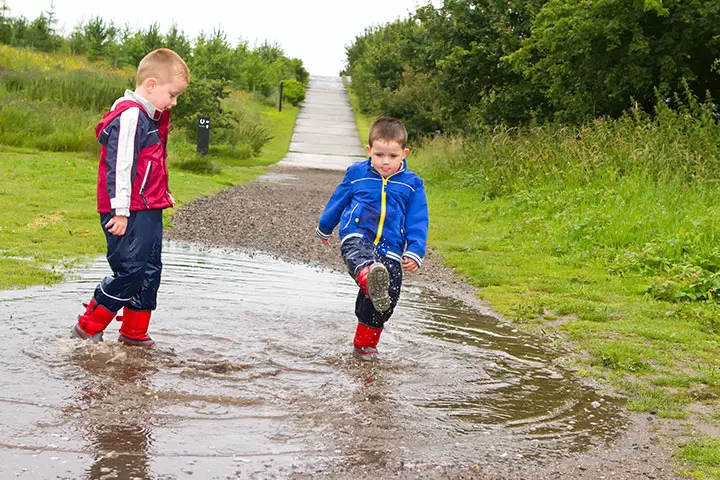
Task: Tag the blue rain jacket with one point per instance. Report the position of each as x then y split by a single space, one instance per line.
390 212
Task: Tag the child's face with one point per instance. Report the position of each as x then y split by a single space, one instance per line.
386 157
164 95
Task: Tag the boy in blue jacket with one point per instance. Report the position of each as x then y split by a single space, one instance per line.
132 192
383 215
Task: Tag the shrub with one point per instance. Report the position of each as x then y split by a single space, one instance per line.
203 98
293 92
198 164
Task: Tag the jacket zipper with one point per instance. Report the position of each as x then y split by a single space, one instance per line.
142 186
383 207
168 194
383 203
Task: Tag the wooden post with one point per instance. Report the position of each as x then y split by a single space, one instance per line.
281 97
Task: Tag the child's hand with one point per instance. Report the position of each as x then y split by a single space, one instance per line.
117 225
410 265
326 241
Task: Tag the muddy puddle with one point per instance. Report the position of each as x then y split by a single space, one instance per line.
252 377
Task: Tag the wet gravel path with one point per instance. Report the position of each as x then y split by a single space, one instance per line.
277 214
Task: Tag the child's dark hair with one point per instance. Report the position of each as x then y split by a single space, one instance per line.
388 129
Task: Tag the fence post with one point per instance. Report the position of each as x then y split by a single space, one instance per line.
203 137
281 97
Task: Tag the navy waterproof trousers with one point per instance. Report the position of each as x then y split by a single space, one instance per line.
358 253
135 259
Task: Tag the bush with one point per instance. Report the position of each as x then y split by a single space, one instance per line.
203 98
198 164
44 125
245 129
293 92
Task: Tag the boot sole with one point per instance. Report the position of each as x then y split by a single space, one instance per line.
378 283
78 333
367 354
136 343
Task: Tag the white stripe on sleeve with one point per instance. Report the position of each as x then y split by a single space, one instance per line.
125 158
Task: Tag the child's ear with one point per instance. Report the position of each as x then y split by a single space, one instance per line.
150 84
368 148
406 151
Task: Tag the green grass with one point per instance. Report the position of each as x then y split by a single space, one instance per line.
282 125
596 263
604 236
362 120
509 249
48 222
48 219
704 456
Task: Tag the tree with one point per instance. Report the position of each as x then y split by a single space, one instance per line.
301 75
19 32
469 41
5 25
212 57
377 59
135 45
595 58
98 37
77 40
176 41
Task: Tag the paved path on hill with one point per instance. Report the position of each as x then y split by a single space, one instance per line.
325 134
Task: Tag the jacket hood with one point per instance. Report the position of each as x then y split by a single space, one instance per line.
149 108
130 100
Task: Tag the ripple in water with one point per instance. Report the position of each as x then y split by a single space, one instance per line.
252 374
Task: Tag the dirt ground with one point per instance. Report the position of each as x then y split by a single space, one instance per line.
277 214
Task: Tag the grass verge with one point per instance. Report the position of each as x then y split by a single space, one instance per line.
569 237
49 224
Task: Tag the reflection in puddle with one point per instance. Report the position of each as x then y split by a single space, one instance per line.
252 375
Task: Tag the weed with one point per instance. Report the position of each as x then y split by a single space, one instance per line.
198 164
704 453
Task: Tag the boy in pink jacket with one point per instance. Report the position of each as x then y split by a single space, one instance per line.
132 192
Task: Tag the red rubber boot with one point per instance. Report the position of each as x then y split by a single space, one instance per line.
374 281
365 342
91 324
134 328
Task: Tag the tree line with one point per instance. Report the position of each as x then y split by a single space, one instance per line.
467 65
217 66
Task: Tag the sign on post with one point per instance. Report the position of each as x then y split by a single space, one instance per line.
203 141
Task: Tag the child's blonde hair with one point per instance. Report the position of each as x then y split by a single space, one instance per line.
162 64
388 129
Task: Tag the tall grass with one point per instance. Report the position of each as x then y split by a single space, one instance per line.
238 142
86 89
52 102
45 125
637 195
21 59
681 146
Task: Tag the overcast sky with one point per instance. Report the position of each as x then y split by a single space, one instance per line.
315 31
